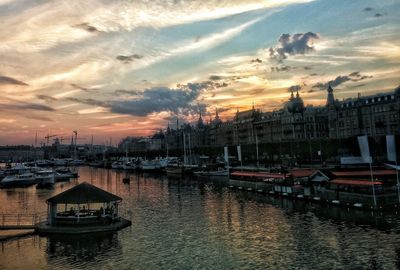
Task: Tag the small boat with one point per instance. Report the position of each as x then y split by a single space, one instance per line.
65 172
76 162
18 168
130 166
46 178
217 173
117 165
43 163
60 162
19 180
150 165
61 177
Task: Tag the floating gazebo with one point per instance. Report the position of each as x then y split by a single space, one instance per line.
84 208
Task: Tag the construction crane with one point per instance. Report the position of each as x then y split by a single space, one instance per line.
47 137
69 138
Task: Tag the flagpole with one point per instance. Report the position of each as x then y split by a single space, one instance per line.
365 154
392 156
372 180
258 163
397 179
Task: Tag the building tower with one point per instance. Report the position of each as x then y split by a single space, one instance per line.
332 113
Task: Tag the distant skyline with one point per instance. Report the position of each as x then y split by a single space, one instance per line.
126 68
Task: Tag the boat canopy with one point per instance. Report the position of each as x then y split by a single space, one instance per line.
84 193
351 182
259 174
364 173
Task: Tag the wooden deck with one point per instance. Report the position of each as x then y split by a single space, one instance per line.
13 234
20 221
43 228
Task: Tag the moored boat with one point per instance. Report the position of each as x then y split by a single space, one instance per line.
117 165
45 178
19 180
150 165
214 173
65 172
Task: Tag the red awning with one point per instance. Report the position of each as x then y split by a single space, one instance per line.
354 182
259 174
364 173
302 173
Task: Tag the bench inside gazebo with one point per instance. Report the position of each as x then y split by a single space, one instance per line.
83 205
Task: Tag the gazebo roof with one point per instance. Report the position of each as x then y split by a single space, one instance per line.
84 193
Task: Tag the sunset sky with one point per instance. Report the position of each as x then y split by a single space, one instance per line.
126 68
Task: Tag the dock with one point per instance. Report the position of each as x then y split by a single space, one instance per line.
20 221
19 225
43 228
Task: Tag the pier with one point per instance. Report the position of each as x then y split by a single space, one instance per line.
20 221
19 225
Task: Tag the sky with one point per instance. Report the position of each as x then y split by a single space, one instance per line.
111 69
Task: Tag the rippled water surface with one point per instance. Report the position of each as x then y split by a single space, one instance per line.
197 224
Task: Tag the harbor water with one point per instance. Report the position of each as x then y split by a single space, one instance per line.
199 224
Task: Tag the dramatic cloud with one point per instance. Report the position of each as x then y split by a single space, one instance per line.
87 27
354 76
181 100
37 117
128 58
291 45
46 98
9 80
294 88
206 85
89 101
215 77
257 60
26 106
82 88
153 100
120 92
282 68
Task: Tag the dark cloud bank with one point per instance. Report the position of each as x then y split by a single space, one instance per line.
128 58
354 77
87 27
9 80
180 100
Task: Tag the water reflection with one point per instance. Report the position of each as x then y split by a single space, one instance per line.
82 251
196 223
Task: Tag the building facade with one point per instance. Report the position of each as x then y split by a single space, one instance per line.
377 115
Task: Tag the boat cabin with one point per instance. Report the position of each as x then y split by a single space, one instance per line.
360 191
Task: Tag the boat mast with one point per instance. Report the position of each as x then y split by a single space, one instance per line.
190 150
258 163
184 148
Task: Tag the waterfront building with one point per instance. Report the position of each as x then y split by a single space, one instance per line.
20 153
376 116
